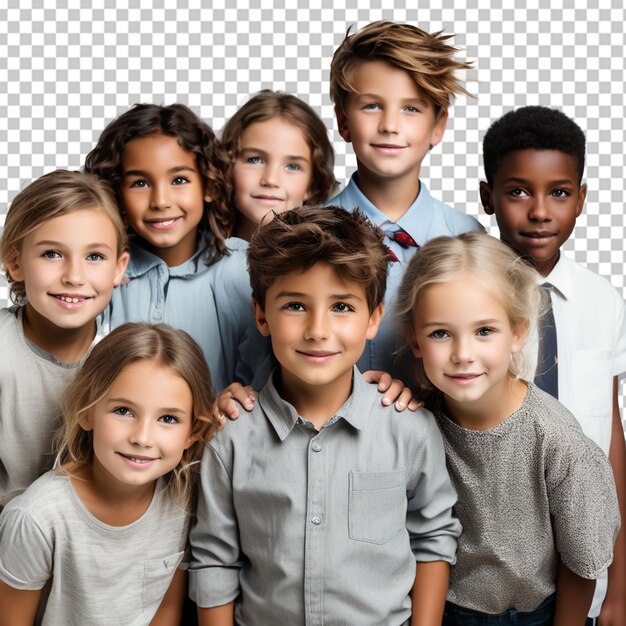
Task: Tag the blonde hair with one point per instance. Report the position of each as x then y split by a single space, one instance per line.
52 195
503 273
128 344
426 57
267 105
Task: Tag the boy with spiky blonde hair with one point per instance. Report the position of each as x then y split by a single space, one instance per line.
392 85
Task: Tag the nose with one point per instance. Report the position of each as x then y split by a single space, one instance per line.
389 121
317 326
73 271
462 350
141 434
539 210
160 197
269 176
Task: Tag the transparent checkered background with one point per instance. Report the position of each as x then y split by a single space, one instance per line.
65 72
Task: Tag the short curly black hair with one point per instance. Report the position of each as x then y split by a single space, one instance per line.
534 128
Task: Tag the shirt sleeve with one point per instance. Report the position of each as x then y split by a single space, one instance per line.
583 506
433 529
214 538
619 360
25 552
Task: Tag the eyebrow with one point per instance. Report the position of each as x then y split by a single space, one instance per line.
172 170
485 322
334 296
48 243
525 181
376 96
290 157
132 404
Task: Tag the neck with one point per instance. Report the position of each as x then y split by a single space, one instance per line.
315 403
392 196
109 501
244 227
487 413
66 344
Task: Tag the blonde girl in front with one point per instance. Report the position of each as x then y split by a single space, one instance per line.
102 539
536 497
63 248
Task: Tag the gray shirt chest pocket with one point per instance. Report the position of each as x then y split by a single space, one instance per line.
377 505
157 576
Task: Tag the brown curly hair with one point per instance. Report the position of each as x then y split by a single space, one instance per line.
267 105
194 136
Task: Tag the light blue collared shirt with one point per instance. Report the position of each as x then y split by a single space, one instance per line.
425 219
210 302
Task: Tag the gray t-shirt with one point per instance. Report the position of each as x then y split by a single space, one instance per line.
531 490
31 383
101 575
325 526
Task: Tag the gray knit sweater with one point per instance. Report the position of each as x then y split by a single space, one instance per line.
531 490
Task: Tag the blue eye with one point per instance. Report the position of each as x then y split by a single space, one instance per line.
95 256
51 254
294 167
371 106
254 160
439 334
485 331
169 419
122 410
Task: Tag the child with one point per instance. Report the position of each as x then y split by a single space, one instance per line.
318 505
63 249
534 160
282 158
536 497
392 85
171 179
105 534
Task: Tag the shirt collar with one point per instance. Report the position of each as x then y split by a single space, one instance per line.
416 221
283 416
142 261
560 278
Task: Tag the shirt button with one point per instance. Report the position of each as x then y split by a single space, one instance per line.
317 446
316 520
158 315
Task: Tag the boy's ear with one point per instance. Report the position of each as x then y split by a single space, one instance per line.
122 262
261 321
342 124
375 317
485 197
439 129
582 195
409 333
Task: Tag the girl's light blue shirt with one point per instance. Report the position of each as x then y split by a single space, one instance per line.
210 302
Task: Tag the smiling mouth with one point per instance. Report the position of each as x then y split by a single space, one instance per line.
268 198
163 224
141 460
538 234
320 356
71 299
463 377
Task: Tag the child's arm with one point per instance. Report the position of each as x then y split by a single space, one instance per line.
428 595
19 606
171 609
235 395
573 598
217 616
613 611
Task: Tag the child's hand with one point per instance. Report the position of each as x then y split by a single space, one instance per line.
395 390
235 395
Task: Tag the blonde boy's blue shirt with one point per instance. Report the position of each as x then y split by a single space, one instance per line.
321 527
210 302
425 219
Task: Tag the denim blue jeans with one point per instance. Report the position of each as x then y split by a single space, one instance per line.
454 615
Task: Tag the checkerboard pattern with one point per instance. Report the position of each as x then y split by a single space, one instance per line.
67 71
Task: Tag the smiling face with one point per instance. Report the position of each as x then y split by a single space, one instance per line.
318 324
536 197
272 172
463 335
141 426
390 123
162 192
69 265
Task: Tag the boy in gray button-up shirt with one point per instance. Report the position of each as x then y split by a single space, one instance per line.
316 508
